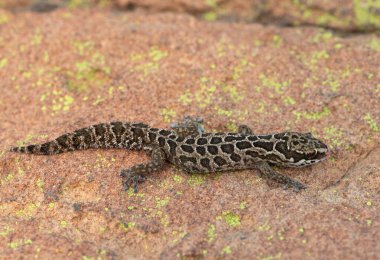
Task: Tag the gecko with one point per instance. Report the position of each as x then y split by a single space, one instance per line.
190 148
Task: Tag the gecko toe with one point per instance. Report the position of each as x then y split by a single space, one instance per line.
131 180
296 186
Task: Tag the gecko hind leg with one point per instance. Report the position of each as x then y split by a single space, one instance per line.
138 173
189 126
270 174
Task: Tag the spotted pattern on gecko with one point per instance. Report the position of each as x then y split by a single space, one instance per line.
187 146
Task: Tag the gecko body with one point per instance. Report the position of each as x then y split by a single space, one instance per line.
189 148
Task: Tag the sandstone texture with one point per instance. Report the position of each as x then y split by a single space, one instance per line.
342 15
72 67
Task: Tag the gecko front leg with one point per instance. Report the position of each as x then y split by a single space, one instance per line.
270 174
137 173
189 126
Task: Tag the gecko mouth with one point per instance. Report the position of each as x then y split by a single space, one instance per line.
319 154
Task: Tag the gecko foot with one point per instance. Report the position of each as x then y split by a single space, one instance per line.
131 178
297 186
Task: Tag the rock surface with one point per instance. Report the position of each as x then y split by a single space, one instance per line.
67 69
343 15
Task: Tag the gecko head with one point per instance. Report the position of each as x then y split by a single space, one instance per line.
302 149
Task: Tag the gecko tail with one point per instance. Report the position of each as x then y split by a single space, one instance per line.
43 149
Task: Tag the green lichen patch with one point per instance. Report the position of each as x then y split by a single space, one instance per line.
243 205
277 41
232 219
367 13
4 18
56 101
211 233
88 74
272 83
16 244
178 236
168 115
334 135
73 4
6 230
103 162
196 180
210 16
371 122
322 36
177 178
83 47
374 44
312 115
161 202
226 250
264 226
28 211
3 62
126 226
36 37
147 63
40 184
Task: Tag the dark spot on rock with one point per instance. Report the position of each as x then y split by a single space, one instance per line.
227 148
219 161
77 207
212 149
243 145
202 141
201 150
187 148
216 140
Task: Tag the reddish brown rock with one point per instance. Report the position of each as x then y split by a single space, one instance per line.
70 68
345 15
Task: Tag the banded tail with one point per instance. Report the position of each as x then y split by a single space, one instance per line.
112 135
